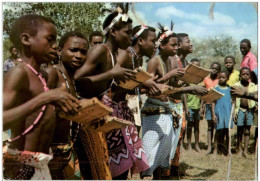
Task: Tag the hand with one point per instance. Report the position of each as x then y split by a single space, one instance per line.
214 118
187 112
178 72
64 100
199 90
238 91
235 118
152 87
122 74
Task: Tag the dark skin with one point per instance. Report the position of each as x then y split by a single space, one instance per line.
72 55
243 130
24 94
96 40
229 64
223 133
215 69
99 69
143 47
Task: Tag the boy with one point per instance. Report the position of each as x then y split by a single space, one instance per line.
193 117
210 82
244 111
27 101
12 61
124 146
95 38
72 51
229 62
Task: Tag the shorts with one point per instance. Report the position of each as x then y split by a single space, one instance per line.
208 112
241 118
194 115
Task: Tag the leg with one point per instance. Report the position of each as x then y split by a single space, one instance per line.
157 173
189 133
216 139
209 136
240 130
227 142
197 131
246 138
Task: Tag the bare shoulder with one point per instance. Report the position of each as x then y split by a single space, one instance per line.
123 57
153 61
16 78
96 52
173 62
52 77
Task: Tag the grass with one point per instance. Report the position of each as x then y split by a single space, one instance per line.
200 166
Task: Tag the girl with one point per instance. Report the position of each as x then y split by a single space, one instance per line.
221 111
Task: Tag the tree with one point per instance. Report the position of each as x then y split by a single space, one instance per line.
83 17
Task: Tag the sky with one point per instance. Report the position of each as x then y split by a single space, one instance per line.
236 19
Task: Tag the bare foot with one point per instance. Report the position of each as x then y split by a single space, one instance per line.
197 149
147 178
208 151
245 154
188 147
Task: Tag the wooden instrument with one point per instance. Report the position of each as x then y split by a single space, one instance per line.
194 74
211 96
140 77
91 109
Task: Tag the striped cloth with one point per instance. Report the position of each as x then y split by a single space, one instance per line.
160 138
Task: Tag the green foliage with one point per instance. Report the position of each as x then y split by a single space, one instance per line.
6 45
83 17
210 49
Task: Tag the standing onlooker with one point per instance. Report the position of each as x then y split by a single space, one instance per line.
233 73
244 110
249 59
221 111
211 82
95 38
12 60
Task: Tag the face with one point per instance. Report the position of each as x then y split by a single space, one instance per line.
148 45
185 45
229 63
74 52
214 69
96 40
196 63
245 75
123 36
14 52
171 48
222 78
43 44
244 48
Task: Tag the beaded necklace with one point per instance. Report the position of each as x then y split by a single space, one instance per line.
164 68
36 121
68 87
137 89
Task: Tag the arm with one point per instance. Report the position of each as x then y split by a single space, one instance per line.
213 112
96 56
185 105
16 106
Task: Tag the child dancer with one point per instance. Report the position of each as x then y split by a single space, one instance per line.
221 111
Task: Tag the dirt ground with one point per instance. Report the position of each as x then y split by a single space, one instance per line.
199 166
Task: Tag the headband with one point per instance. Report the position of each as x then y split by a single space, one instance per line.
164 35
115 20
143 27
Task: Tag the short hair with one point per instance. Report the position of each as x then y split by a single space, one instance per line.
232 57
143 35
69 34
95 33
118 25
217 63
226 72
245 68
194 60
11 48
247 41
26 24
180 36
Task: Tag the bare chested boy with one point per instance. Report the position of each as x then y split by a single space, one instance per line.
72 50
27 109
124 146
